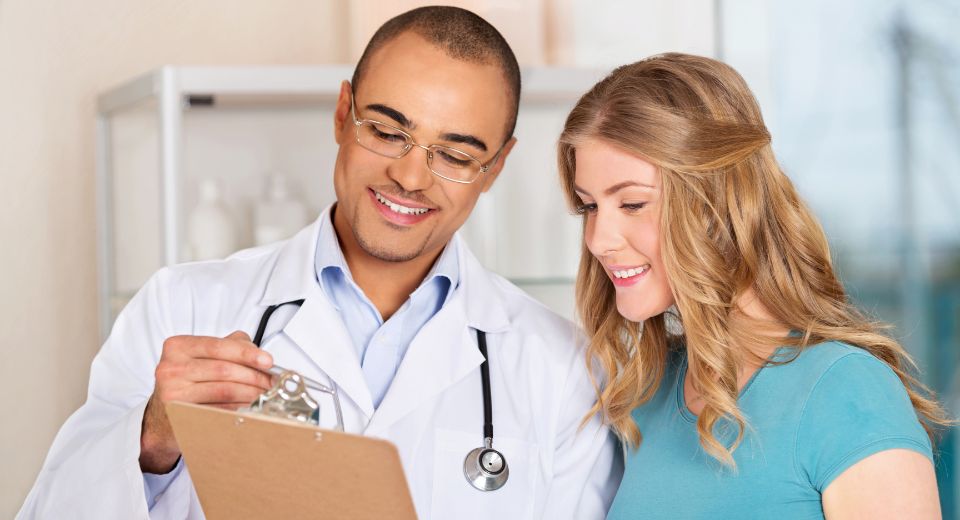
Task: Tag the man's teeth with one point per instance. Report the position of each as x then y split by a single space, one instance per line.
631 272
403 210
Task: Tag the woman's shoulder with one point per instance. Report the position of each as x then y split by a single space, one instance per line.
835 373
828 352
830 358
856 406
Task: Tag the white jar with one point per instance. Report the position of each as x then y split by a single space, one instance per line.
211 229
278 215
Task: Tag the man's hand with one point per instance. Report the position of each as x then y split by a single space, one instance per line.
223 372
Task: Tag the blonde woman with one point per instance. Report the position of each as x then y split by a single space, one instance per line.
740 380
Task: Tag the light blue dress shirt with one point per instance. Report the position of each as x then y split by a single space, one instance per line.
380 345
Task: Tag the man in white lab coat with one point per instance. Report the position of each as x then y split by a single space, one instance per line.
392 302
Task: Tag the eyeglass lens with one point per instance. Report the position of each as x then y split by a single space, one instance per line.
444 161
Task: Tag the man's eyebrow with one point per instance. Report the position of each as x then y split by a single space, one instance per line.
465 139
402 120
392 113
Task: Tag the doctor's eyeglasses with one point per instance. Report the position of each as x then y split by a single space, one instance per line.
445 162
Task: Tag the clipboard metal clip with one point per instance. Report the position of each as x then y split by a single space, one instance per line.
288 399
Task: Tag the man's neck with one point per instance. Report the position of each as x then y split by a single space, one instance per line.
387 284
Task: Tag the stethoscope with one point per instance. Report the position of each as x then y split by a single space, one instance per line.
484 468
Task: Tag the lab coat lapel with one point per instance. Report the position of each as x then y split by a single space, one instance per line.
439 356
445 350
317 327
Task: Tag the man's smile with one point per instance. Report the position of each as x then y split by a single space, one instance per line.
399 212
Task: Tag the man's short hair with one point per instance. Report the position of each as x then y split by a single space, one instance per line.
461 34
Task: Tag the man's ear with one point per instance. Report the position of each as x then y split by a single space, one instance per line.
341 113
495 169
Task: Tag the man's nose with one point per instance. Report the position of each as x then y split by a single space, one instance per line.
411 171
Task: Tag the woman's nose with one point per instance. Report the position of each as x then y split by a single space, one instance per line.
603 234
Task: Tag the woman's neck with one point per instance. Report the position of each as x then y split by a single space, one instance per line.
757 335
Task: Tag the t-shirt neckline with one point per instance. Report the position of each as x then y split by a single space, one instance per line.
682 407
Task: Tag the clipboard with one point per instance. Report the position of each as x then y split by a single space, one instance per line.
249 466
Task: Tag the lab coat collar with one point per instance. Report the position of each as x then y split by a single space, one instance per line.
426 370
485 306
445 350
292 273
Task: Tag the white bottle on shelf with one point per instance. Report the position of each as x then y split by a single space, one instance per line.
278 215
211 229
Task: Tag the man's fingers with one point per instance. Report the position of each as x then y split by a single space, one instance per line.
236 348
240 335
213 370
212 393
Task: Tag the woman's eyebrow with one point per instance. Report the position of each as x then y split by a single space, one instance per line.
616 187
625 184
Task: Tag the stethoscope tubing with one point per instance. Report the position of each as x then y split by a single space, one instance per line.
485 383
262 327
499 476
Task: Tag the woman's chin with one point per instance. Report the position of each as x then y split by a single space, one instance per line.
639 311
630 313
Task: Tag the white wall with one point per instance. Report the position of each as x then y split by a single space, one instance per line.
55 56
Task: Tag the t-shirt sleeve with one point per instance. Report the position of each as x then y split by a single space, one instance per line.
858 407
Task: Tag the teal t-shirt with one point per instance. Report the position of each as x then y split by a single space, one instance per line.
808 421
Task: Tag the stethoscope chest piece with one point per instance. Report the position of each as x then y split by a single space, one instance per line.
485 468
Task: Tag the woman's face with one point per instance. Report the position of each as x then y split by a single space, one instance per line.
621 196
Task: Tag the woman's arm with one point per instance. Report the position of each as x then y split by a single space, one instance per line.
894 484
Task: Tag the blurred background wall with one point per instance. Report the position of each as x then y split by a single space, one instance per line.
861 98
55 57
863 101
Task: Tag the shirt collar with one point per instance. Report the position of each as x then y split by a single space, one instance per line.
329 256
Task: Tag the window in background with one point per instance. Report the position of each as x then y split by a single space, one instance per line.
863 101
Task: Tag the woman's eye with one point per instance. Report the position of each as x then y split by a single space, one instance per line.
586 208
633 206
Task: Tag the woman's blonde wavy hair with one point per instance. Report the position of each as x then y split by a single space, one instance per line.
730 221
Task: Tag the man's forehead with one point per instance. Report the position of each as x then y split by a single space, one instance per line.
428 87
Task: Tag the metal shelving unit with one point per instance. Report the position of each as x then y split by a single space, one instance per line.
168 97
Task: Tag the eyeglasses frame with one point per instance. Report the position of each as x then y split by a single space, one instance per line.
429 148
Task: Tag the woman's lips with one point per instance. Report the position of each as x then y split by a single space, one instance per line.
627 276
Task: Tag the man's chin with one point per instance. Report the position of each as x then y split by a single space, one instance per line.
390 255
393 249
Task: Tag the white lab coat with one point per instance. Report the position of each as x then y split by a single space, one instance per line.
433 410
